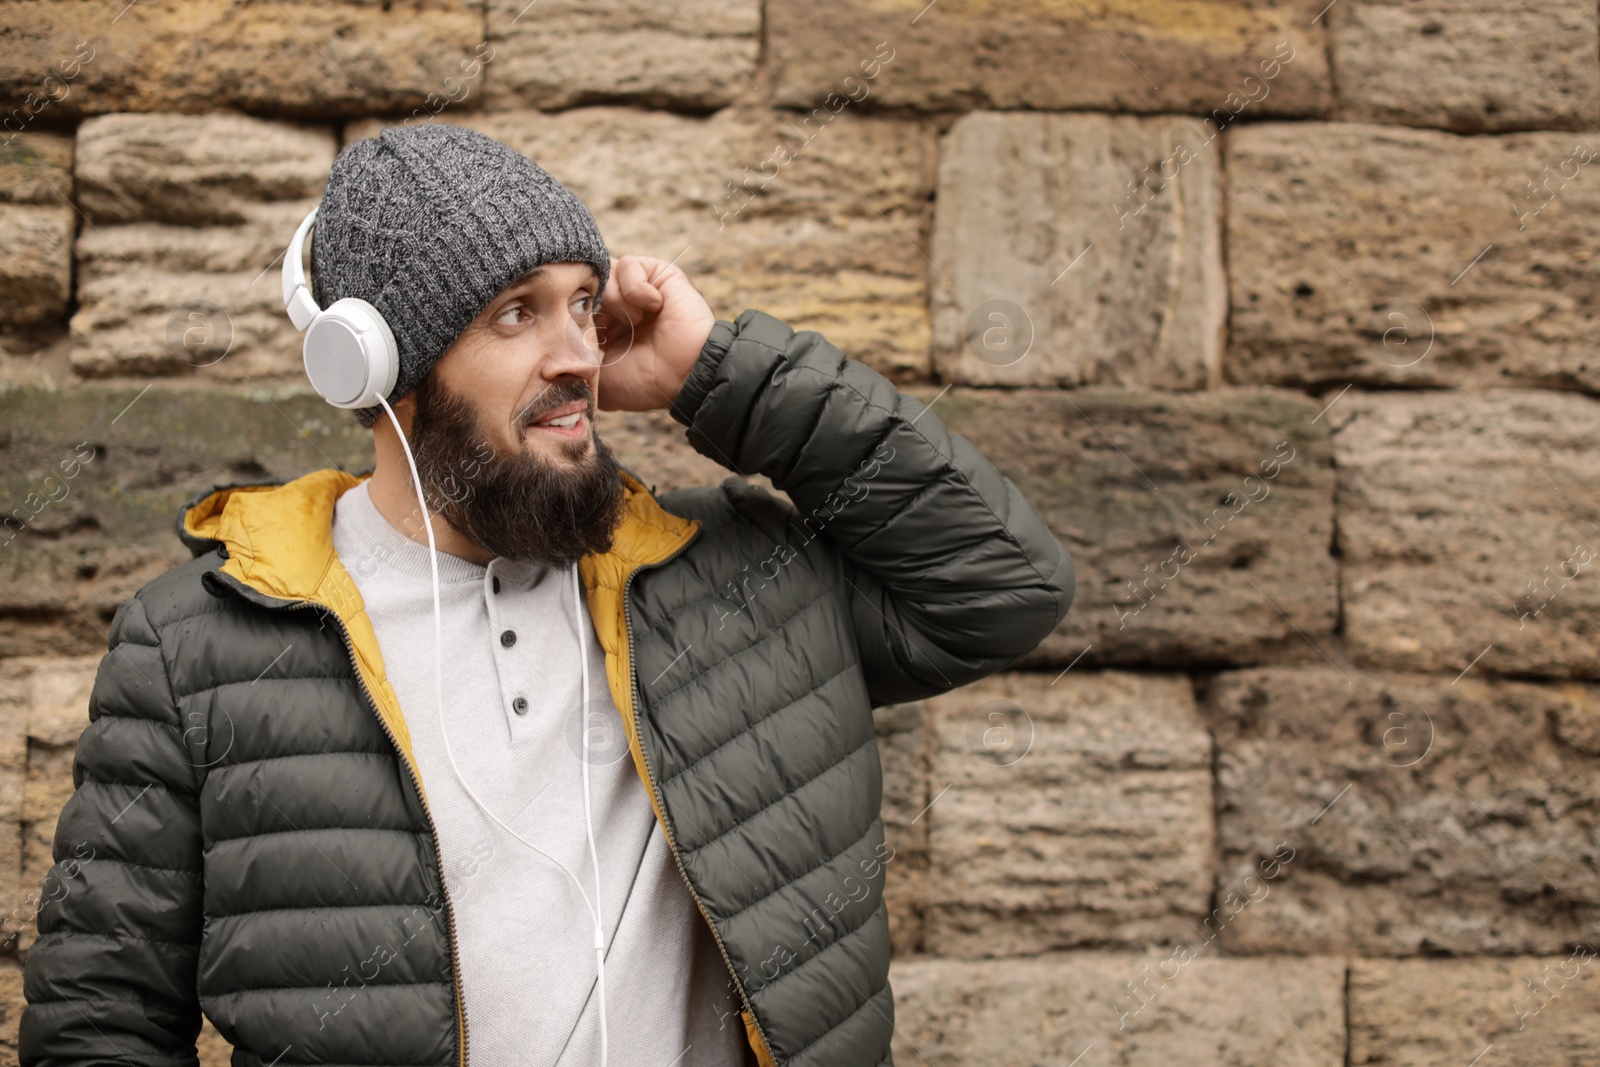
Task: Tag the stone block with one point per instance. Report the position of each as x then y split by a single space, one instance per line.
1531 1011
1426 816
36 227
18 899
55 690
1067 813
695 55
35 262
1465 535
56 693
180 260
1389 256
196 170
36 168
45 793
1179 510
1117 56
903 752
1469 65
1020 1013
49 696
11 1005
1098 261
294 58
821 223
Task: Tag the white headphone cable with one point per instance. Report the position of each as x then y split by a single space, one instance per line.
438 697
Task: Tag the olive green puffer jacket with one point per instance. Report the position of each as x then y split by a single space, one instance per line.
249 837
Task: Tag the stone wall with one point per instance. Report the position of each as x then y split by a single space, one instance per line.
1281 313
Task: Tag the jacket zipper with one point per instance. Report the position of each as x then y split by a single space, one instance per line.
661 804
355 669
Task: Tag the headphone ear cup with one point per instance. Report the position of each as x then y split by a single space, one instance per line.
350 354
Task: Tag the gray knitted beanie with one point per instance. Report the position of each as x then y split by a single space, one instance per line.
427 223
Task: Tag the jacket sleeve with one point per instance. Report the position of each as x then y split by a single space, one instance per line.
949 574
111 978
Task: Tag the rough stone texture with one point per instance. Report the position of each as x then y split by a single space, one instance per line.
1121 55
16 903
1067 813
289 57
96 475
50 696
54 691
1022 1013
903 739
654 448
36 168
195 170
1418 1013
11 1004
103 530
1426 816
213 1048
1465 527
36 226
1352 248
35 262
1088 266
1124 478
691 54
180 260
1467 65
805 246
46 791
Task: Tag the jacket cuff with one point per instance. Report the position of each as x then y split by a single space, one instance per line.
703 373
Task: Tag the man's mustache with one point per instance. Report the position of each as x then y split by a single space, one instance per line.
554 397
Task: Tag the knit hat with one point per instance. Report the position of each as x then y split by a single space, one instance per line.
427 223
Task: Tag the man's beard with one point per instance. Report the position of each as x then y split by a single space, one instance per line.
521 506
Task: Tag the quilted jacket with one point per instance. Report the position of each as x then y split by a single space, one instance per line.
249 836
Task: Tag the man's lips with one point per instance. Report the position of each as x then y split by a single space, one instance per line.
568 420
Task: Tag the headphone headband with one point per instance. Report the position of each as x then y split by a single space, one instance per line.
297 298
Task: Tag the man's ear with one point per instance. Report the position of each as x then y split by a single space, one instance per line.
405 409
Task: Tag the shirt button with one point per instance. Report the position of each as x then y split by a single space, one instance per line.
495 583
508 638
520 705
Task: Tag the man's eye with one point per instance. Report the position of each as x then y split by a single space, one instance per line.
510 316
587 302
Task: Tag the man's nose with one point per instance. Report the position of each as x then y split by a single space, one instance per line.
576 354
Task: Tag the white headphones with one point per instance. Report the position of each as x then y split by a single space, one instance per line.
350 353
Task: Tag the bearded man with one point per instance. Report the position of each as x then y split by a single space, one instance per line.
282 823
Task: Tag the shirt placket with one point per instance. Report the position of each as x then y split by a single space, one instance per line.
501 584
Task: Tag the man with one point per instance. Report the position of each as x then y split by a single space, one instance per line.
284 832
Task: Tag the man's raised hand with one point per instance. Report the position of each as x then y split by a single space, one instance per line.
651 325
